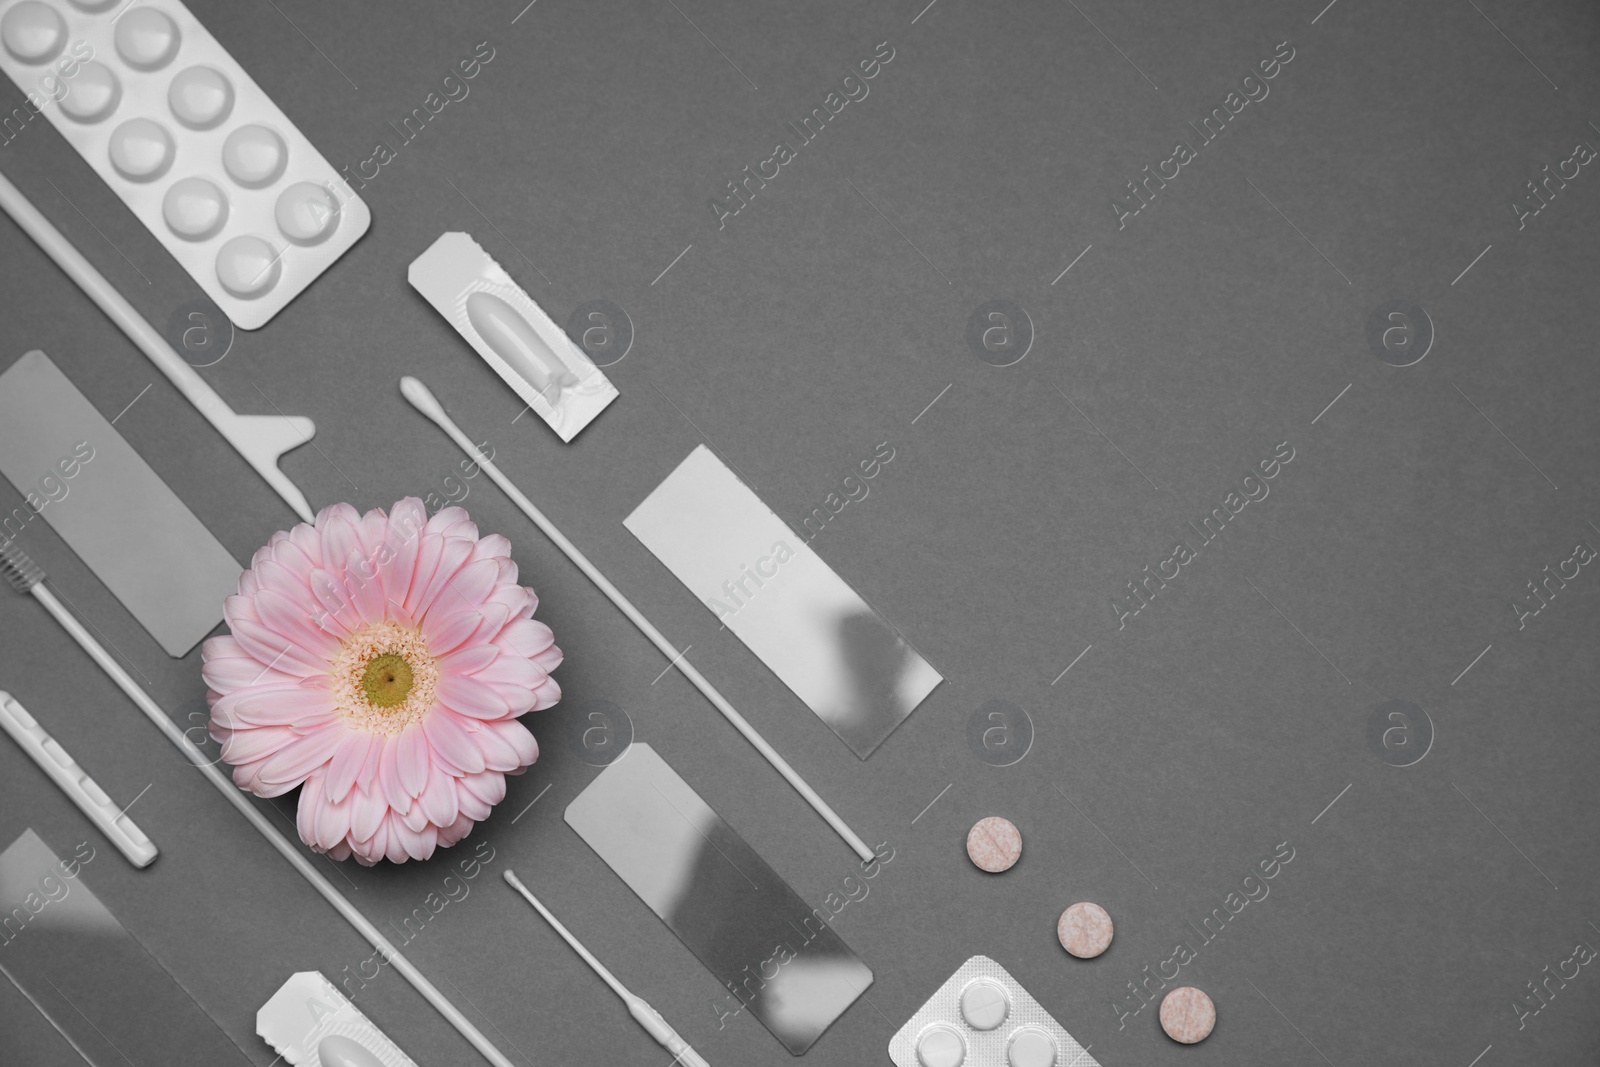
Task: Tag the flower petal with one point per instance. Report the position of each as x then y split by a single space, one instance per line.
469 660
451 557
272 648
452 745
402 540
263 706
248 746
305 813
547 696
438 801
294 761
337 528
396 851
412 759
226 675
446 631
389 777
331 821
517 736
471 585
512 670
364 588
468 696
487 787
345 767
449 835
498 753
526 637
366 814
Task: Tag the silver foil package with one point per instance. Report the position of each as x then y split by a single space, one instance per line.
512 333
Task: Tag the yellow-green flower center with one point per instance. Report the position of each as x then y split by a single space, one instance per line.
383 678
387 680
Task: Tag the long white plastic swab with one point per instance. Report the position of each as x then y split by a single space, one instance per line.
424 401
27 577
646 1016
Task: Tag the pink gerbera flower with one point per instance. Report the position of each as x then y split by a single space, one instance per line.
379 662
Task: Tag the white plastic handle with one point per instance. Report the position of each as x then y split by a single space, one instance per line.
74 781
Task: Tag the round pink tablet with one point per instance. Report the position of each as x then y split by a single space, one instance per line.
1187 1015
994 844
1084 930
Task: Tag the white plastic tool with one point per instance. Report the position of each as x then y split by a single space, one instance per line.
642 1012
74 781
193 146
424 401
260 439
26 576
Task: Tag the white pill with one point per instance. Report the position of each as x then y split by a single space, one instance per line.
1031 1048
195 209
33 32
254 156
94 93
200 97
941 1046
307 213
248 266
984 1004
146 38
141 150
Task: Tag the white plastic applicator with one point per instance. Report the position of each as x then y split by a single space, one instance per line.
643 1013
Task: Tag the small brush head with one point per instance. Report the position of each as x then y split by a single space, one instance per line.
20 571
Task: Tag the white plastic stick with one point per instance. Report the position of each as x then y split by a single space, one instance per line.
638 1007
297 859
260 439
74 781
424 401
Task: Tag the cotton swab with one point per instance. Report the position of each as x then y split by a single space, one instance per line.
424 401
26 577
646 1016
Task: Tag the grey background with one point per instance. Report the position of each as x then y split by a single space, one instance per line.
1223 719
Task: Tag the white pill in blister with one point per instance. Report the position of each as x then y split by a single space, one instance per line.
194 209
200 97
248 266
941 1046
984 1004
146 38
33 32
141 150
1031 1048
307 213
254 156
95 93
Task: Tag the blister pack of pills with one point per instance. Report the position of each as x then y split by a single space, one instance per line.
190 143
310 1023
512 333
982 1017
